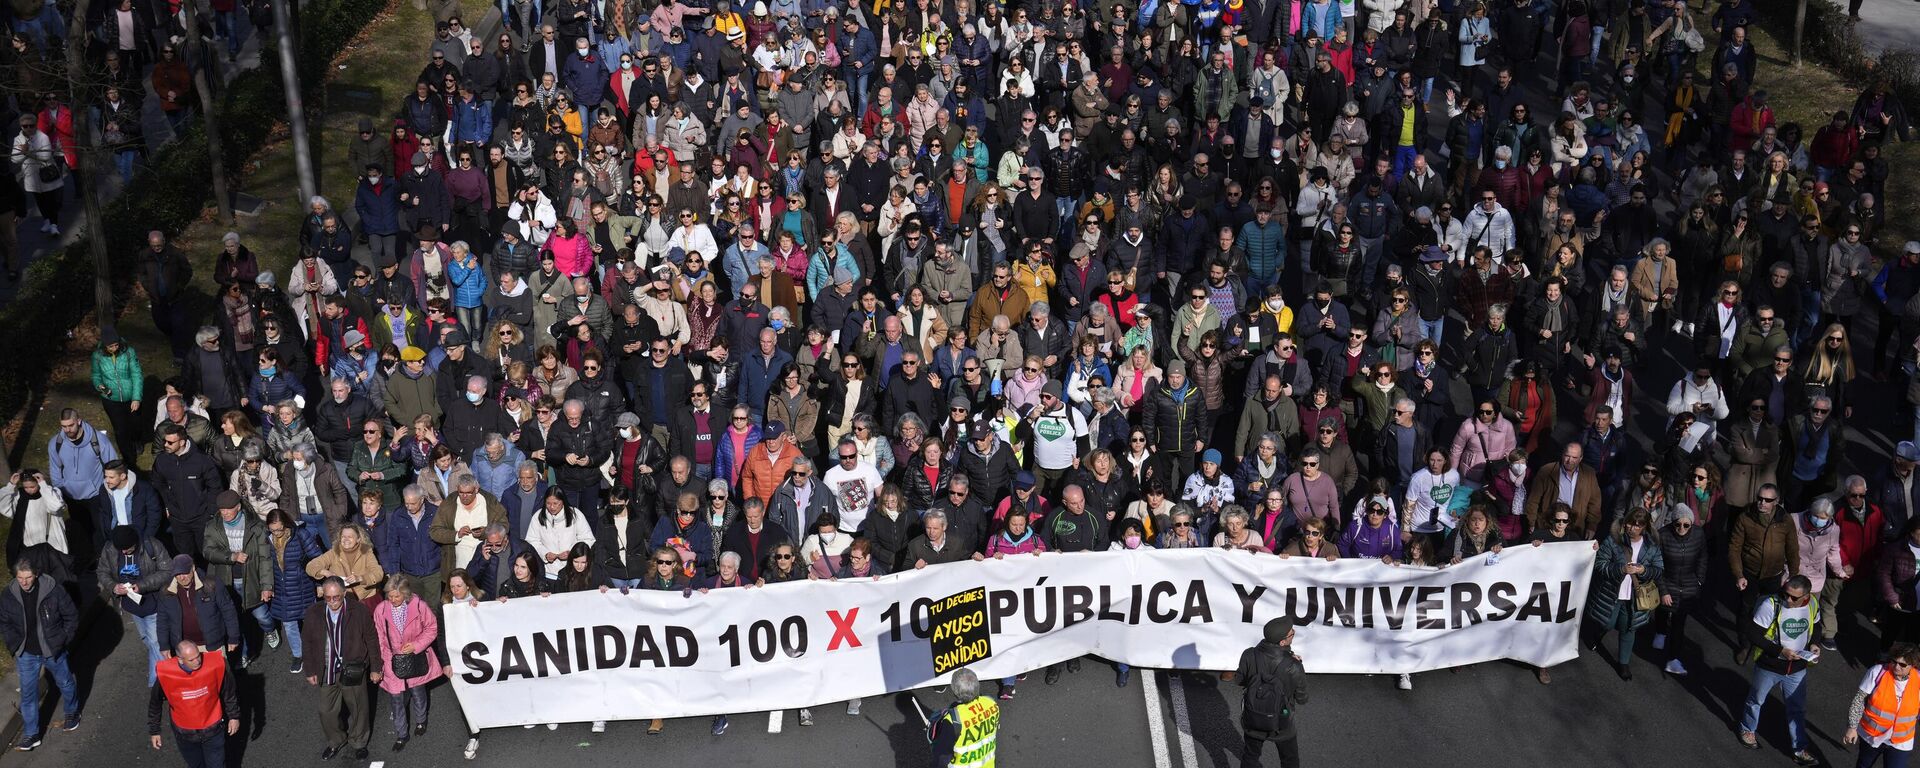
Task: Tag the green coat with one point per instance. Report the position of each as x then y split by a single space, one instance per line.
1603 599
393 474
408 397
117 377
257 573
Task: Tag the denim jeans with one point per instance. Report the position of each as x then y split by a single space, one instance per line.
316 524
1434 330
261 616
1795 695
123 162
148 628
29 665
230 25
211 753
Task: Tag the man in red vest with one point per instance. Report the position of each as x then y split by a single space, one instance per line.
202 695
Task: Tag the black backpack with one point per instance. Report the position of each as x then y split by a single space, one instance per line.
1267 700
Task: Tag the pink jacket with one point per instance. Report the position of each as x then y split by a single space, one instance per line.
572 256
1819 552
421 630
1478 443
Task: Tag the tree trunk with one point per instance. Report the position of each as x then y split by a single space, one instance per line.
1799 28
87 174
296 108
216 153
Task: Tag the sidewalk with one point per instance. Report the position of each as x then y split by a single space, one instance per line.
33 243
1890 24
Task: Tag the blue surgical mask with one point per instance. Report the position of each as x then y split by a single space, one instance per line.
269 371
1820 523
473 397
777 324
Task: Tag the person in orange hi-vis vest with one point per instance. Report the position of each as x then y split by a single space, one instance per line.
205 702
1885 709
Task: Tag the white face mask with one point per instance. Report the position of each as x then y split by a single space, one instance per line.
1276 304
299 465
1518 469
626 433
419 169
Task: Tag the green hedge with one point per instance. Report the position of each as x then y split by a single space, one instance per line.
57 290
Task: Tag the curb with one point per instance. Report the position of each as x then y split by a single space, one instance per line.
11 719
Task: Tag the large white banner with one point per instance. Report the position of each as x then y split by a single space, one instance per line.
589 656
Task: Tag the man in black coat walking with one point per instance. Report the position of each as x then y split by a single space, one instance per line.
1275 684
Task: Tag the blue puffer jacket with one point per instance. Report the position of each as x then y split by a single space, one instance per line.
473 121
292 587
469 283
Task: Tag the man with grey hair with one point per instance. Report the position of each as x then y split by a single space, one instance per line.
934 546
338 420
469 420
1046 338
1490 354
211 372
1816 441
312 491
408 546
342 657
966 732
802 499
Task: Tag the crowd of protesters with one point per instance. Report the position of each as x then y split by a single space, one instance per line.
671 296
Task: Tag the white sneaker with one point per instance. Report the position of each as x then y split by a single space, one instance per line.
853 708
1659 642
1679 327
473 748
1406 683
806 717
273 639
1675 668
53 229
553 726
528 726
599 726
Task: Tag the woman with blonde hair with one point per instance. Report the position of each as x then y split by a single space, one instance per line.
1829 367
351 559
507 344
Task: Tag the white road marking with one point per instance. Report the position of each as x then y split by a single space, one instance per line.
773 720
1156 727
1180 720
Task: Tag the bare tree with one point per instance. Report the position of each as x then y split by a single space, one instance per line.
215 148
87 146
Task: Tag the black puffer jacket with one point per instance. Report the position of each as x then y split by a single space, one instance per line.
588 440
1686 556
1174 425
991 475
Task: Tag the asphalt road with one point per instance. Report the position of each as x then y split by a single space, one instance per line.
1492 714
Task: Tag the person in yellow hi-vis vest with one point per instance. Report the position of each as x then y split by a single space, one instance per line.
1885 709
963 735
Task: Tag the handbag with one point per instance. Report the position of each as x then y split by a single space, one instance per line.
1646 595
406 666
1692 39
353 673
52 171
